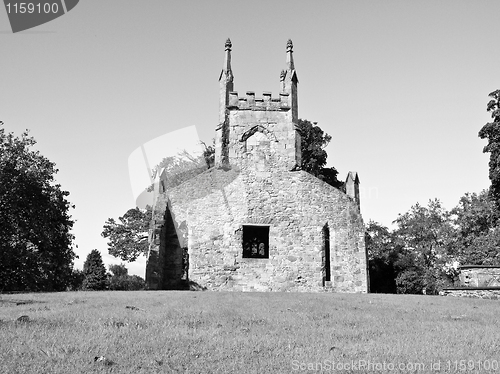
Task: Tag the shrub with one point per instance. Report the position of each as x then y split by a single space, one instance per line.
410 282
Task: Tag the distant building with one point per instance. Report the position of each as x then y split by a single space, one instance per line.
255 221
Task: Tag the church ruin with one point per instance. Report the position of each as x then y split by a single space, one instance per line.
256 221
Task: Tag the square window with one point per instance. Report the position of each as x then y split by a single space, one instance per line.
255 241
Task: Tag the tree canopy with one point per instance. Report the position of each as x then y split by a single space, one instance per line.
120 280
35 239
423 251
477 237
313 143
94 272
128 238
491 132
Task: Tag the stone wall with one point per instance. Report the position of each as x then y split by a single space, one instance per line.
211 209
479 276
479 281
256 135
481 293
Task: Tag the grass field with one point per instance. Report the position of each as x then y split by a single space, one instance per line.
211 332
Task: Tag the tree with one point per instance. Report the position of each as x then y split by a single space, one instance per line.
477 237
95 272
35 240
124 282
77 279
313 143
118 270
491 131
423 234
128 239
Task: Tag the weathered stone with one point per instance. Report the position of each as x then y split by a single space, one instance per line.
315 235
478 281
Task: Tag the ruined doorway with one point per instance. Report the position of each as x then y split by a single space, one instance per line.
173 257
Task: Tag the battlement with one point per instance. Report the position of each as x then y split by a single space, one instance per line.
266 102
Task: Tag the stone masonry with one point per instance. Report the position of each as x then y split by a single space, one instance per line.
477 281
255 221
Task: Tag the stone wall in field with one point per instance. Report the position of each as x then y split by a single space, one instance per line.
479 281
479 276
480 293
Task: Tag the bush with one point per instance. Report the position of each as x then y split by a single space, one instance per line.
126 283
136 283
410 282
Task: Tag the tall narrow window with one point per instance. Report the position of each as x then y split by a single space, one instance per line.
326 255
255 241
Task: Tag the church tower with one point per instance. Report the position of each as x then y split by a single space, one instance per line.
258 133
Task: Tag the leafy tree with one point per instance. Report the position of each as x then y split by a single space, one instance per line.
135 283
128 239
423 253
35 240
77 280
95 272
118 270
477 237
313 143
124 282
491 131
423 234
314 140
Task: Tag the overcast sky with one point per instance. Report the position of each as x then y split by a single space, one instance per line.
401 86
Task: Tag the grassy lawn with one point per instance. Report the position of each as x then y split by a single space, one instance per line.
211 332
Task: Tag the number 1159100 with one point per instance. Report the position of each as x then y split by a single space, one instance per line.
32 8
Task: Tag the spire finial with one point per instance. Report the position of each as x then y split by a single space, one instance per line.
289 55
226 70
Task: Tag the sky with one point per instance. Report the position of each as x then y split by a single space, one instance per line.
401 86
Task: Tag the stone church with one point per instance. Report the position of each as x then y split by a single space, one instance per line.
256 221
